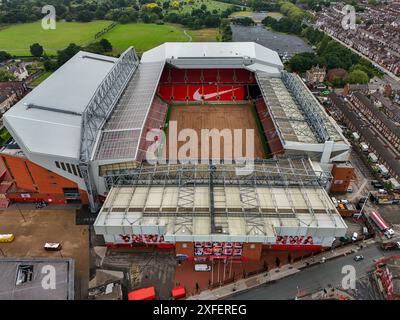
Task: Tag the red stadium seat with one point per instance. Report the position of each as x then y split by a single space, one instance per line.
194 76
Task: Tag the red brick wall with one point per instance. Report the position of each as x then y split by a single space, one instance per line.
33 178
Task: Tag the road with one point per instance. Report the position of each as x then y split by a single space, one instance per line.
315 278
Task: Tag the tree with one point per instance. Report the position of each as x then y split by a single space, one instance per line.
357 76
85 16
67 53
107 46
36 50
302 61
4 56
6 75
95 47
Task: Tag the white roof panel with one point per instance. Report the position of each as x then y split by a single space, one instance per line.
245 50
67 90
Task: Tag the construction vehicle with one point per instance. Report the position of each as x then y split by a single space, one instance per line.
381 224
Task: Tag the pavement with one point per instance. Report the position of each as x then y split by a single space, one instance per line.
249 288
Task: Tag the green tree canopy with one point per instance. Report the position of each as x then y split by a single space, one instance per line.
6 75
357 76
67 53
36 50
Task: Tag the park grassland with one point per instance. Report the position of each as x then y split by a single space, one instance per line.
145 36
142 36
16 39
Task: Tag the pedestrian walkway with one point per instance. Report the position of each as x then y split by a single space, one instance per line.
278 273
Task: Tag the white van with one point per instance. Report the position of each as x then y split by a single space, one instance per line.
202 267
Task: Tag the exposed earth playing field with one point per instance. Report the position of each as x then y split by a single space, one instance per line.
217 117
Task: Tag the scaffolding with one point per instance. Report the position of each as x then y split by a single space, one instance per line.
310 107
282 172
98 110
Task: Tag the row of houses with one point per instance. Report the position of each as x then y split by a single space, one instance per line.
377 36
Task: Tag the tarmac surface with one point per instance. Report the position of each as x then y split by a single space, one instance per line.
280 42
318 277
32 228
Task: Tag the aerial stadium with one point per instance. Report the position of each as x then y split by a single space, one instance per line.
82 136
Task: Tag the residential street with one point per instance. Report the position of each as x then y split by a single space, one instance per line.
315 278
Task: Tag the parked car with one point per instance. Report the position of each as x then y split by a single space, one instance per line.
358 258
52 246
8 237
354 236
350 189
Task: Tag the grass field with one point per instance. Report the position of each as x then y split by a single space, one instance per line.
144 36
196 4
140 35
276 15
241 14
16 39
41 78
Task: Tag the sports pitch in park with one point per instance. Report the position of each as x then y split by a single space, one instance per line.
141 36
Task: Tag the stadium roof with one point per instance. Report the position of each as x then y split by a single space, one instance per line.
218 54
51 113
137 209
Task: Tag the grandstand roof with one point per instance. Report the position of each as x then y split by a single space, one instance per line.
228 54
157 209
48 119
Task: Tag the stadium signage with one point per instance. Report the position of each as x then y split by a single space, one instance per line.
294 240
142 238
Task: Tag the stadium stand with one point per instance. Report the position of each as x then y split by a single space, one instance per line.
270 132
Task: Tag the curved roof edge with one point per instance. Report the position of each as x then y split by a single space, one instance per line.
234 53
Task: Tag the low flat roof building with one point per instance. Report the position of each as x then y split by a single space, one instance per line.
31 279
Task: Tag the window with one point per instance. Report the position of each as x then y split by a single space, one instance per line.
57 164
68 168
63 166
24 274
74 169
79 172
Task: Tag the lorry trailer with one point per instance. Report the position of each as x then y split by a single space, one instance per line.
381 224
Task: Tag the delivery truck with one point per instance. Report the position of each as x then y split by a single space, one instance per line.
381 224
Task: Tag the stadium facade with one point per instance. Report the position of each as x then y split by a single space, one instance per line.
80 136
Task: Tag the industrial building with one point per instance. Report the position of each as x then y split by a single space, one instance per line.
80 136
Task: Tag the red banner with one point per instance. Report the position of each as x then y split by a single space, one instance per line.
201 93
